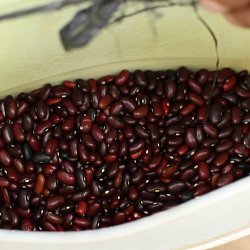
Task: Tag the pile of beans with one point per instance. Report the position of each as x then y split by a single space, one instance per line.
91 154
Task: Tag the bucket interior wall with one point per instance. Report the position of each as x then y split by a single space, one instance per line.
31 49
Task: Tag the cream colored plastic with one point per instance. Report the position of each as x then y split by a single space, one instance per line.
31 55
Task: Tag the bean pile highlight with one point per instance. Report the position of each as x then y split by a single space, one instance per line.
97 153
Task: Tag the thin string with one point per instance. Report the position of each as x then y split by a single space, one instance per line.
217 63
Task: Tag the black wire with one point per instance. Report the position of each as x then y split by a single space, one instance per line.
216 46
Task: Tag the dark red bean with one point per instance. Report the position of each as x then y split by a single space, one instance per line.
27 122
196 99
194 86
201 155
105 101
186 110
97 133
190 138
4 182
68 124
224 180
170 89
221 159
236 115
42 127
225 133
140 112
116 108
7 133
55 202
183 74
224 146
81 208
115 122
210 130
176 187
215 114
11 107
243 93
39 185
155 161
51 147
34 143
139 145
5 158
122 77
203 171
140 78
65 178
18 132
229 84
241 150
41 109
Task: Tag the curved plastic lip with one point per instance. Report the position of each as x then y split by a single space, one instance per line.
140 225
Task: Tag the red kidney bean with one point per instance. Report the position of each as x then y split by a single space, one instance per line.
140 78
97 133
170 89
221 159
4 182
176 187
115 122
210 130
10 107
243 93
225 133
39 185
224 146
18 132
201 155
41 109
23 106
202 114
68 124
51 147
190 138
188 174
34 143
241 150
42 127
65 178
168 171
5 158
7 134
183 74
182 150
122 77
116 108
245 104
189 108
55 202
196 99
203 171
224 180
194 86
236 115
215 114
229 84
140 112
200 190
68 105
27 122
